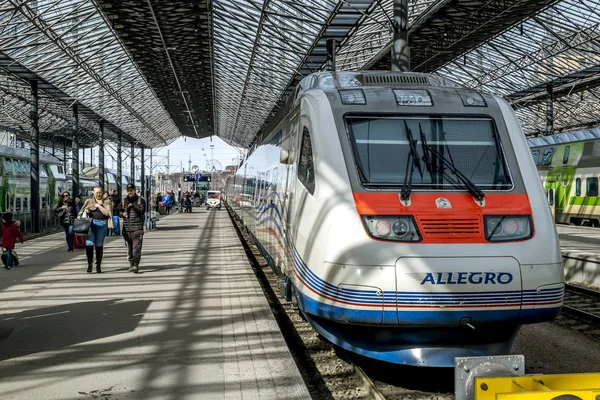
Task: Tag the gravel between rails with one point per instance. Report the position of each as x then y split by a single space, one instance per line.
329 371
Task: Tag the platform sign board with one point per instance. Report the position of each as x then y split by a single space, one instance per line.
196 178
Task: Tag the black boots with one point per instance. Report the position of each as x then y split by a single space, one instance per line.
136 267
131 264
89 252
99 253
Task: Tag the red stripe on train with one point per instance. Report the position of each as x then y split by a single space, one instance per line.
460 224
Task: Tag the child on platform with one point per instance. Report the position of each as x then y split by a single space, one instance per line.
10 234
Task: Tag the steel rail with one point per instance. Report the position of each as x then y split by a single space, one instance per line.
590 293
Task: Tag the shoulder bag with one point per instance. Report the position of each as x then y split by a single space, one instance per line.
82 224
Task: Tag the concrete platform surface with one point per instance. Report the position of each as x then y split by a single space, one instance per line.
194 324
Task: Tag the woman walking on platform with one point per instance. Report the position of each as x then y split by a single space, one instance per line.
66 212
101 211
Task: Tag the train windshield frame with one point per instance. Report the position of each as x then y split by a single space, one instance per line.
380 145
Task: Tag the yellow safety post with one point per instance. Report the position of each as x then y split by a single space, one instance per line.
539 387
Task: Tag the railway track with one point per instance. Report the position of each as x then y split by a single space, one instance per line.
583 303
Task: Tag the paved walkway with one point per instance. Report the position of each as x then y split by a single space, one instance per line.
194 324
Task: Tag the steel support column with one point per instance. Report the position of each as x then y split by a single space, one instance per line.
34 151
65 156
119 168
83 154
400 49
550 110
132 168
75 151
101 171
143 174
331 45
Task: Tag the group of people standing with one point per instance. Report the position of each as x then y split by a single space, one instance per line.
101 208
166 200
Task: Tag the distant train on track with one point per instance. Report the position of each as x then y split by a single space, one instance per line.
403 215
15 180
569 167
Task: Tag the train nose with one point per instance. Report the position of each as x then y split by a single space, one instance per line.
449 291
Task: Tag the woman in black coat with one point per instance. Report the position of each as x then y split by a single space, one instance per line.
66 212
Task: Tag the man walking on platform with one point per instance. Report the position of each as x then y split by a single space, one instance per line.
132 210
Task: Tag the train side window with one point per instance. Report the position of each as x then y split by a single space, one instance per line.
306 166
578 187
548 153
566 154
591 188
25 204
18 204
551 197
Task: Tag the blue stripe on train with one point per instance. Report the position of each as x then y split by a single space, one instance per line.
463 298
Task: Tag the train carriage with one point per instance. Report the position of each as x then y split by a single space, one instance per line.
15 187
404 216
569 167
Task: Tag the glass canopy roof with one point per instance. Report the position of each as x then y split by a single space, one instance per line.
69 44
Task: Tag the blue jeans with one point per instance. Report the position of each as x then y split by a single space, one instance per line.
9 260
98 232
69 235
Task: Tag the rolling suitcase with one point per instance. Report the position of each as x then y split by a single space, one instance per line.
117 223
79 241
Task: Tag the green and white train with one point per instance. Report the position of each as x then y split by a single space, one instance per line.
15 181
569 167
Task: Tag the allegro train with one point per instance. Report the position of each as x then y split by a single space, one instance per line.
404 215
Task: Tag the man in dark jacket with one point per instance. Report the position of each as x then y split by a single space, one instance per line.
132 210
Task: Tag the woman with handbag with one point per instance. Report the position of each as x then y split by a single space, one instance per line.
100 211
66 213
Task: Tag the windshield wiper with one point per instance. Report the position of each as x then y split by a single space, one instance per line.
477 193
411 162
426 156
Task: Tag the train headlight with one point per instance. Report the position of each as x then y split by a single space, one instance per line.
471 99
394 228
505 228
353 96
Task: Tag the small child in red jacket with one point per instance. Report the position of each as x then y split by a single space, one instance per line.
10 233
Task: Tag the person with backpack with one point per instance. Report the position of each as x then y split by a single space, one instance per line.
168 199
10 234
132 210
66 211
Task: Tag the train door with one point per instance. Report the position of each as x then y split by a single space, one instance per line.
552 197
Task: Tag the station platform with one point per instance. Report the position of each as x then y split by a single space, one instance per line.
193 324
580 247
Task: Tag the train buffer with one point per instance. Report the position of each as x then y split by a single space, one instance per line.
502 378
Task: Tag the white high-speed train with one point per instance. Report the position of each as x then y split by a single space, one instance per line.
404 215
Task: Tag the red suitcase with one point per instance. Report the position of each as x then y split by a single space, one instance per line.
79 241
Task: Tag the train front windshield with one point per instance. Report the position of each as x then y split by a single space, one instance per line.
382 146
